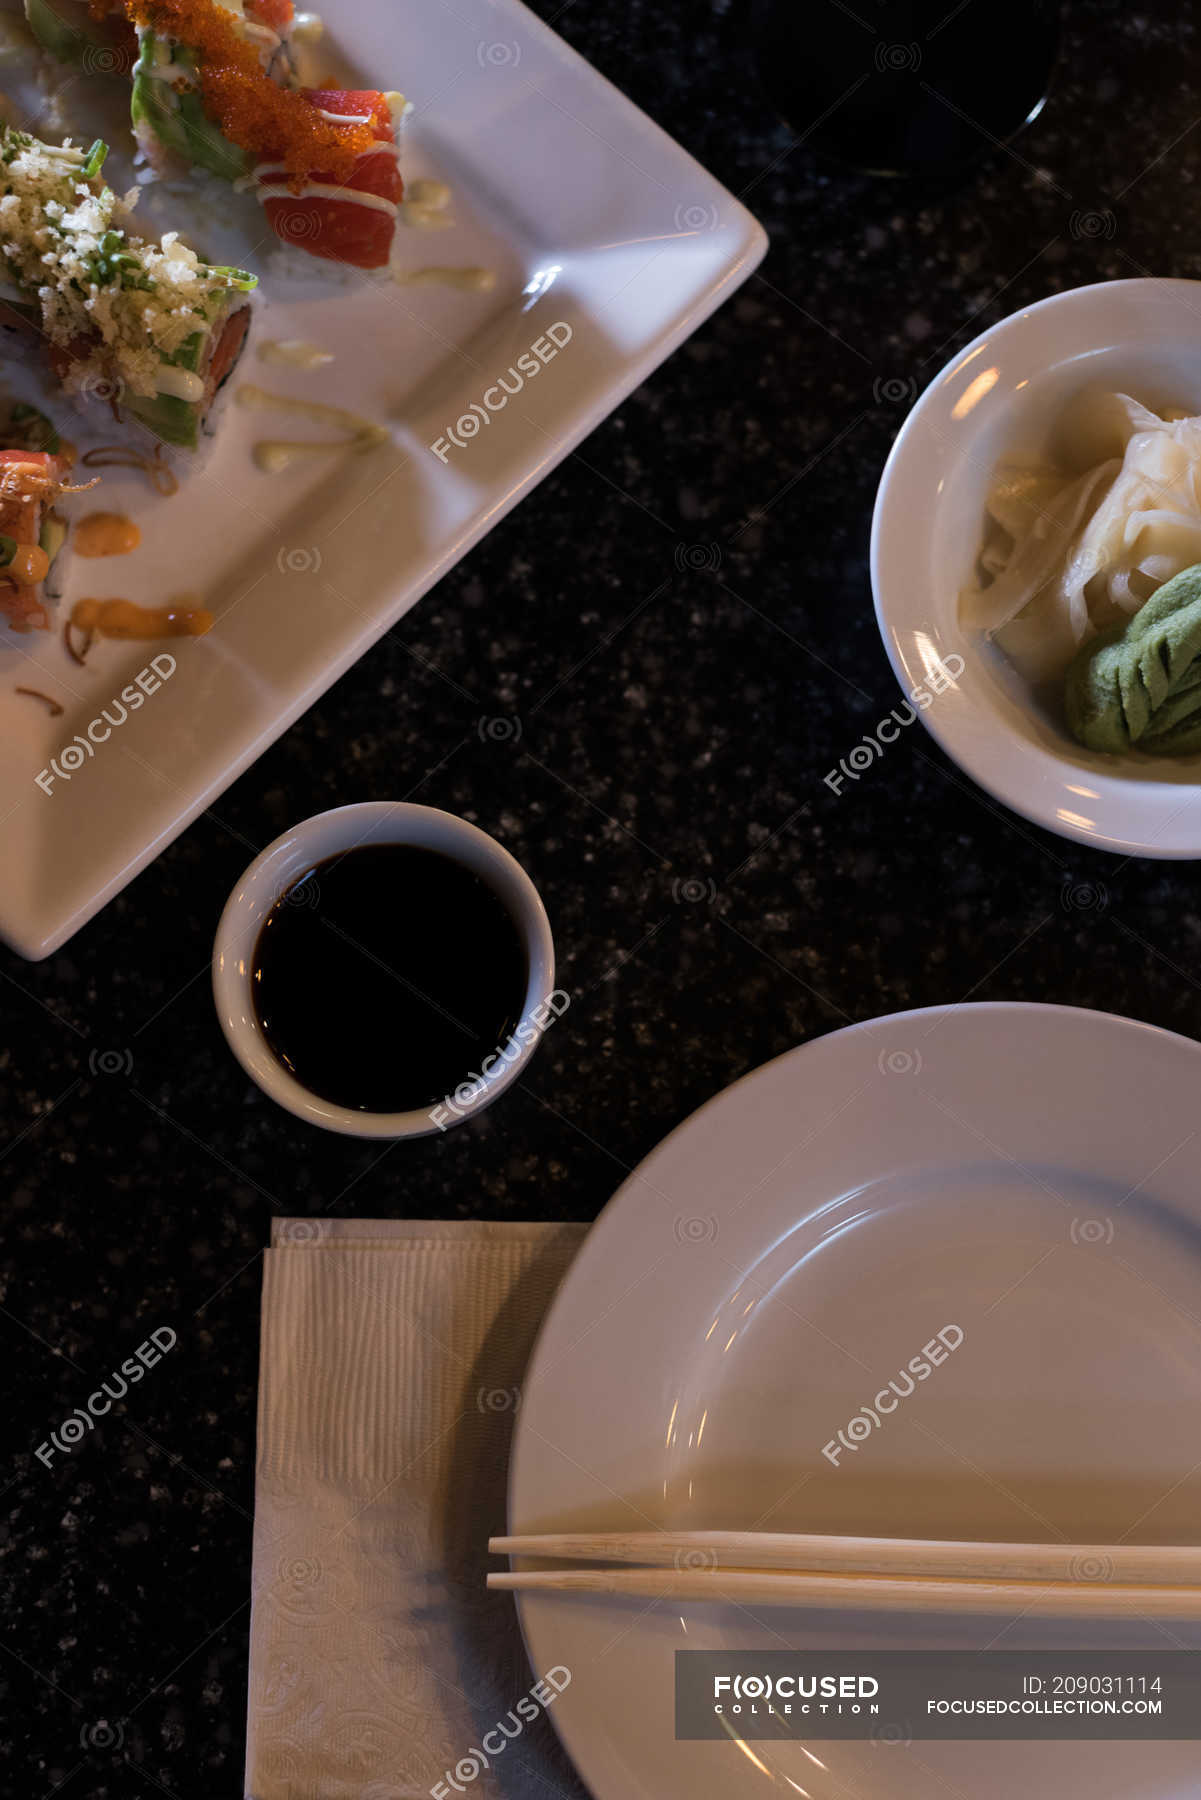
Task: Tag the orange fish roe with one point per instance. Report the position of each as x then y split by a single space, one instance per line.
241 98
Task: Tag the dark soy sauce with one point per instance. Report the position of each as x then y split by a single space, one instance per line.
384 976
905 87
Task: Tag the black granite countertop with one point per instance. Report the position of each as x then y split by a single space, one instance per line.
679 625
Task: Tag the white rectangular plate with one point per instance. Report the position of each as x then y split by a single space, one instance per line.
594 221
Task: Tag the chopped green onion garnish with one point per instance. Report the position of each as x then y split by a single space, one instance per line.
8 549
236 278
94 161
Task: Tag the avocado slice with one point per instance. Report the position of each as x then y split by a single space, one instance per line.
173 420
178 120
52 537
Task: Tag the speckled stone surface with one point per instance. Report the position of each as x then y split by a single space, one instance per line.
678 627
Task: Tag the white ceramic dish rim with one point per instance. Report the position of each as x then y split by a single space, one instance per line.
282 863
609 1223
1133 816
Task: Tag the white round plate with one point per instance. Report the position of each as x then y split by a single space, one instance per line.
999 400
1026 1173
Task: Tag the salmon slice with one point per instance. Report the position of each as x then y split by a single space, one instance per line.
340 229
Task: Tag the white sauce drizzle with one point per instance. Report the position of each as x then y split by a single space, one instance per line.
420 218
424 206
326 190
274 455
182 384
257 399
277 172
468 281
425 192
294 352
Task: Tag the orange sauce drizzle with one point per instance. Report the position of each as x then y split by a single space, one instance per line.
105 534
125 619
243 101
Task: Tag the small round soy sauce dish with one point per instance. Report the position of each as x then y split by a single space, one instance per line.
379 948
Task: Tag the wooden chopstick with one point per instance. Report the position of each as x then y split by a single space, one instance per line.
709 1552
866 1592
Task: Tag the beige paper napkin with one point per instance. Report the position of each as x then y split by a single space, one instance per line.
391 1366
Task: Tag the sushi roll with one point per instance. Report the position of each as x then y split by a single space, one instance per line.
90 34
186 383
148 328
351 220
215 86
32 535
171 122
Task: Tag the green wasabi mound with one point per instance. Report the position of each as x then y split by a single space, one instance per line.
1138 687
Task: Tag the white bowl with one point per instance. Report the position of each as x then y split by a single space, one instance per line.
1000 396
293 855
